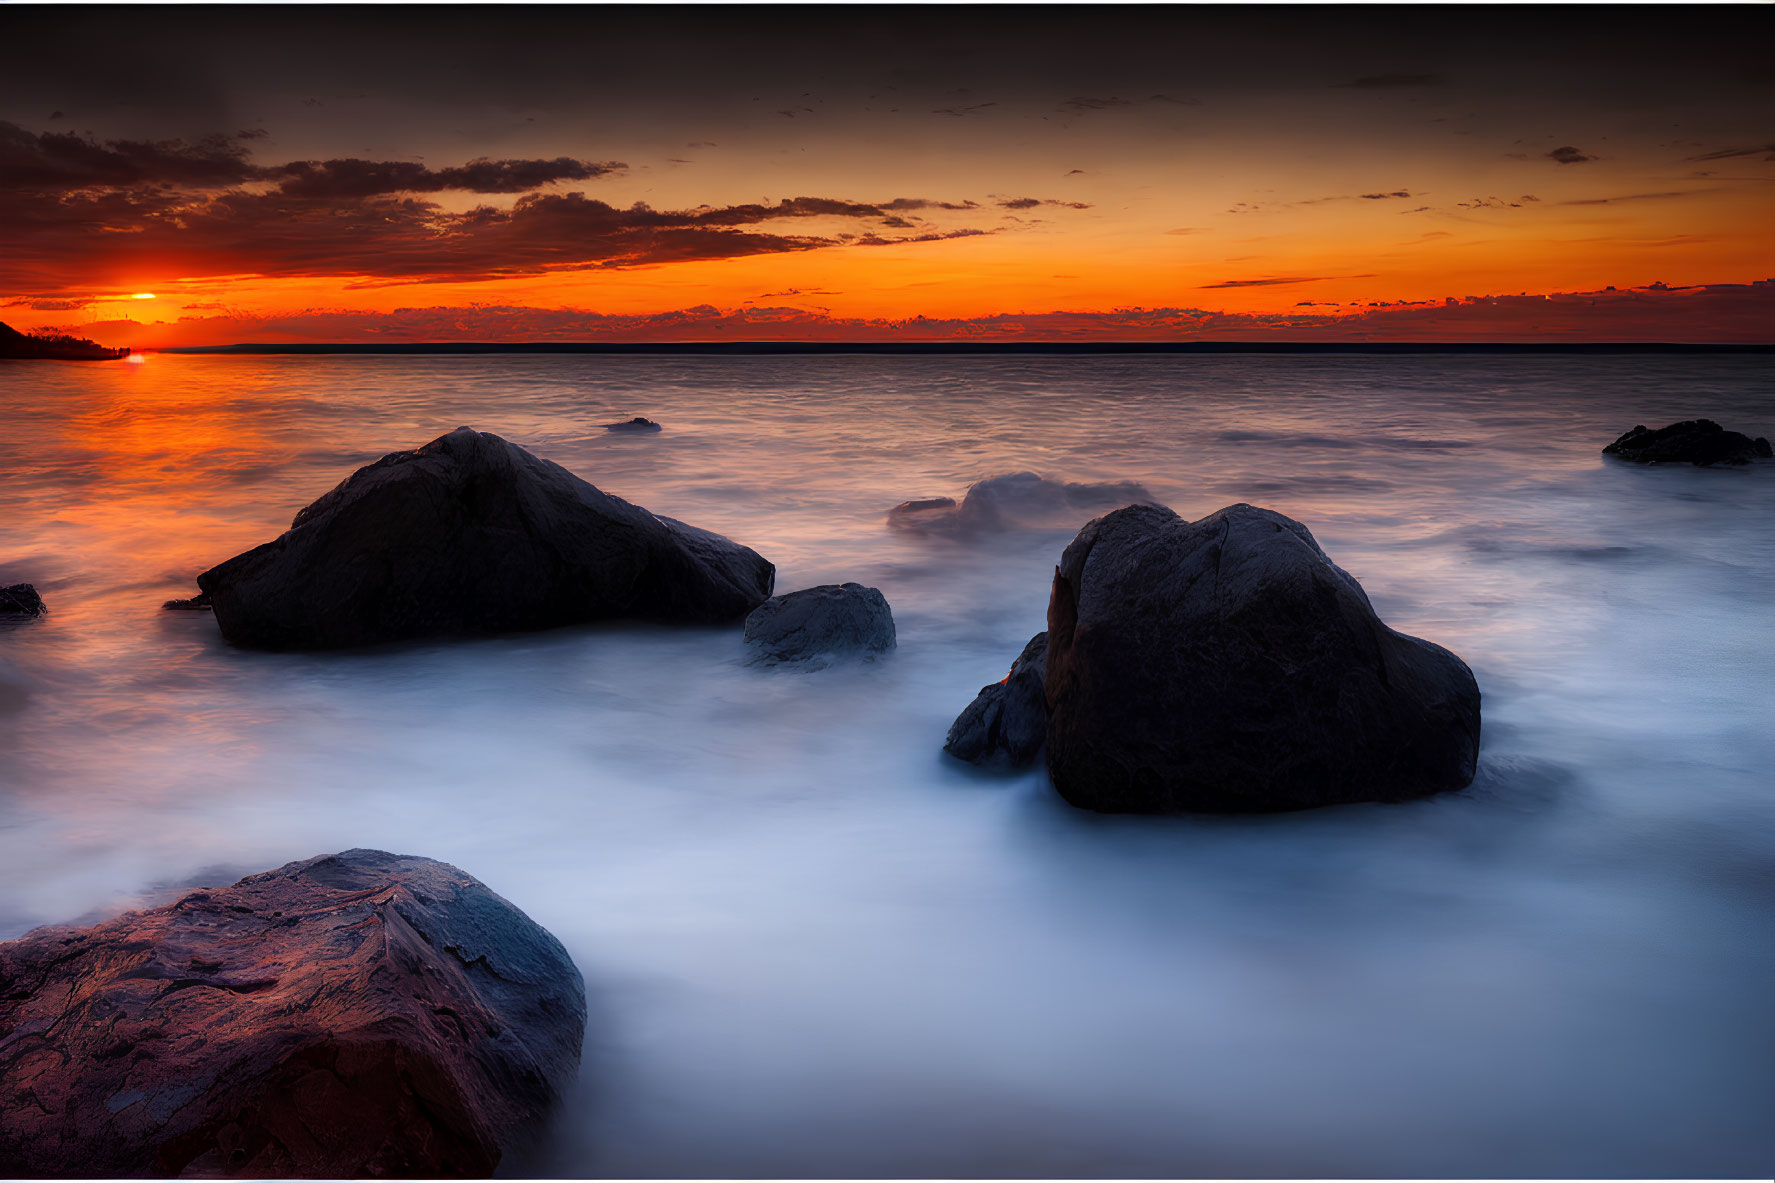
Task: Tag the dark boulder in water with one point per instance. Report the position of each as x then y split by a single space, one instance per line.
355 1014
1701 442
21 600
197 603
1011 501
826 621
635 424
472 534
1227 665
1008 718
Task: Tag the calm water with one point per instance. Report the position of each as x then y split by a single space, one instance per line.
814 945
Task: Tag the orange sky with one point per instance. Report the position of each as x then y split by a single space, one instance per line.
1244 163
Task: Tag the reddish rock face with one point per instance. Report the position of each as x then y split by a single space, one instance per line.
355 1014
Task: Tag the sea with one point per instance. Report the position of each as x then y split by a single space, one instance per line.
816 946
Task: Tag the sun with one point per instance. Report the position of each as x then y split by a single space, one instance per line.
143 296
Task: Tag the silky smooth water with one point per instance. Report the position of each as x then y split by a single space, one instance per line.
814 945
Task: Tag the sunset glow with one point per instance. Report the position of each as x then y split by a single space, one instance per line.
1185 173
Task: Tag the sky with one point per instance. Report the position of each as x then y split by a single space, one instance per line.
204 175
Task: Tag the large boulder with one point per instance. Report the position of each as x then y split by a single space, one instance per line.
21 601
472 534
1008 718
816 623
1694 441
1227 665
1012 501
355 1014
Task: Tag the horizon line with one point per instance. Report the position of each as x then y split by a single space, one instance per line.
963 347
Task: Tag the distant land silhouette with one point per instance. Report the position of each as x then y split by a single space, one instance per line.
979 348
58 347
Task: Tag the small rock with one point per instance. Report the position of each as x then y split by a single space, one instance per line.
21 599
1008 718
635 424
355 1014
1013 501
1700 442
829 620
197 603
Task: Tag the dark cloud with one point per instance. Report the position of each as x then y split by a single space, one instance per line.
1636 197
1392 81
1264 283
896 222
39 305
1384 196
1569 155
1766 151
1080 104
1085 103
961 111
382 238
1032 202
54 115
933 236
64 160
349 178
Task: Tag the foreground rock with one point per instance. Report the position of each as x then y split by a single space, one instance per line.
635 424
355 1014
1018 500
1694 441
21 600
1008 718
1227 665
830 620
471 534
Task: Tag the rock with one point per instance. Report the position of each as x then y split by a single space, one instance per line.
1008 718
829 620
355 1014
1700 442
1018 500
917 516
635 424
197 603
471 534
1227 665
22 600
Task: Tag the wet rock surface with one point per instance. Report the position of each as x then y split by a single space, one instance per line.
21 601
1007 720
472 534
362 1013
1700 442
831 620
1227 665
1011 501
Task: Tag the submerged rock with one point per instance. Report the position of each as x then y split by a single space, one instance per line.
1228 665
1008 718
635 424
355 1014
197 603
1701 442
472 534
21 600
829 620
1018 500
